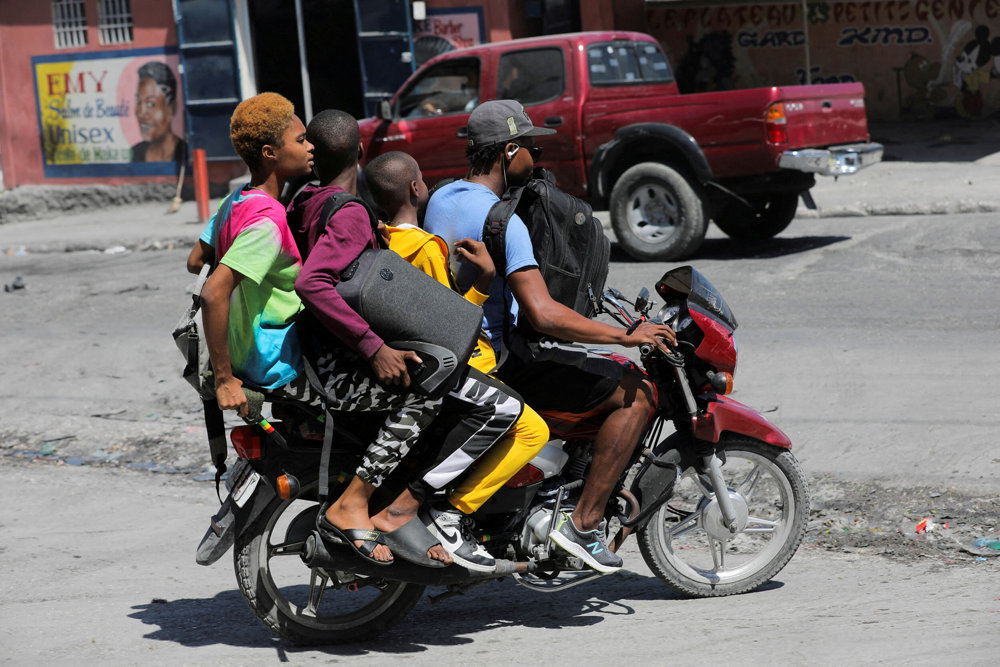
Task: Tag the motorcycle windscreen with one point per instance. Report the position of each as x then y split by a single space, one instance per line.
701 296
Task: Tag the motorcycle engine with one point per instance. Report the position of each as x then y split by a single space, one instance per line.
535 531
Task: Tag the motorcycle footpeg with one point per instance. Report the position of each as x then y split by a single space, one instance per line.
219 537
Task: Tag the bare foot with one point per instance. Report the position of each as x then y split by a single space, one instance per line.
346 519
401 510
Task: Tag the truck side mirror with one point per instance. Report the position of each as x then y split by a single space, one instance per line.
385 110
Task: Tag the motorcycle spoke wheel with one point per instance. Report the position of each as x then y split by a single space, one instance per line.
311 606
687 545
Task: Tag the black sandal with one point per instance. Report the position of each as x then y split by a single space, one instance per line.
369 538
412 541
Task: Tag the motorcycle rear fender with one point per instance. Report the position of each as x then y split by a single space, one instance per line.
224 530
723 414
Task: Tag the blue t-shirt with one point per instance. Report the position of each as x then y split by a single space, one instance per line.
458 211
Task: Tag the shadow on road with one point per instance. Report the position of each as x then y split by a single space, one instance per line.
225 620
727 248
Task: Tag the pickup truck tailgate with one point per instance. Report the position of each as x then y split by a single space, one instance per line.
824 115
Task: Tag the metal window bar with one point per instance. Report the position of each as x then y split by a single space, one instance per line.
115 21
69 22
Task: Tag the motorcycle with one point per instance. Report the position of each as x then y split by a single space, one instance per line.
718 506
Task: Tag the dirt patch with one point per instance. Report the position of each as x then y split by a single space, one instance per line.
851 516
875 518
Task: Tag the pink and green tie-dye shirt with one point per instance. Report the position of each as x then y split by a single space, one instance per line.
253 239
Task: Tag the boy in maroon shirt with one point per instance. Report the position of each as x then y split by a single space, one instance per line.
328 248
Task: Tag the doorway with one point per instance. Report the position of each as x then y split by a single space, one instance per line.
331 53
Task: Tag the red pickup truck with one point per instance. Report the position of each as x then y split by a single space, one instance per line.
662 163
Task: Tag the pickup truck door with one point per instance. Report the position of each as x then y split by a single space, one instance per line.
430 115
541 80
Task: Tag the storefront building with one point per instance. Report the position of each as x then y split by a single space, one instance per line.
121 91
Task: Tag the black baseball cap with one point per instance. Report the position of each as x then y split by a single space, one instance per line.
500 121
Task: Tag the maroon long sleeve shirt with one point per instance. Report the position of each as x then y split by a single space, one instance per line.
326 251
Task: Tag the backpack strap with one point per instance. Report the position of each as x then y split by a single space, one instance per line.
338 200
334 203
495 240
215 425
495 229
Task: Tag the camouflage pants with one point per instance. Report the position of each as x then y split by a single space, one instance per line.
348 384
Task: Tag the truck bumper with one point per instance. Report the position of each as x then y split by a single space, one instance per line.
833 161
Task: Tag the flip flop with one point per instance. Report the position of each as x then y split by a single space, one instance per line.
411 541
369 538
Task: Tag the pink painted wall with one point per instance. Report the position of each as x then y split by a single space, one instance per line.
25 32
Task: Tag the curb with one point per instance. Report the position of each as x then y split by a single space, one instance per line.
143 244
140 245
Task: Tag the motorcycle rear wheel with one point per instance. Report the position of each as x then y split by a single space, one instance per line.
293 601
685 546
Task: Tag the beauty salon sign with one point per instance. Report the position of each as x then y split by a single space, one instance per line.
111 113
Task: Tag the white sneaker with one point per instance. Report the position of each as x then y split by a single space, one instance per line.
452 528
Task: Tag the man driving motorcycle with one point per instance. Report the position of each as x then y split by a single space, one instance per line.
571 379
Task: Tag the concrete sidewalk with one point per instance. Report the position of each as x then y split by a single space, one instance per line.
926 170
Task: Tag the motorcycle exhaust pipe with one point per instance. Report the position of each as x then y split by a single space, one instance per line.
320 554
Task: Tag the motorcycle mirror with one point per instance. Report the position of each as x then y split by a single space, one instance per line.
642 301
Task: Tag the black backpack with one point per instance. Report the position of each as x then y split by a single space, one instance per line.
568 241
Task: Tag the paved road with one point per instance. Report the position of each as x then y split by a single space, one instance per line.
105 573
871 341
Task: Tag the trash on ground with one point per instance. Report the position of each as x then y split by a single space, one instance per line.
927 525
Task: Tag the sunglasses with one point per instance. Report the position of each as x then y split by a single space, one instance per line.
534 151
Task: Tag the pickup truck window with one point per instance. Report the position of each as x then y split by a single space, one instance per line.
447 88
615 63
533 76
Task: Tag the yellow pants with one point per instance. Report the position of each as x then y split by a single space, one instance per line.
525 439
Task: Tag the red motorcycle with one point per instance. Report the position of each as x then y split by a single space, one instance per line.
718 506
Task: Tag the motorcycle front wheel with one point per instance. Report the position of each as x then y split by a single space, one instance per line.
686 546
311 606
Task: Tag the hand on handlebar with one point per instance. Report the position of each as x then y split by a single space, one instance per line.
229 394
648 334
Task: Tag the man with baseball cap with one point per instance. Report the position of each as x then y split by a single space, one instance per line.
502 153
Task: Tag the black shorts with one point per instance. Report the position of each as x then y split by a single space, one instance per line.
561 376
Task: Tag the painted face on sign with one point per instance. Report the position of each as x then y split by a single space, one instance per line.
152 111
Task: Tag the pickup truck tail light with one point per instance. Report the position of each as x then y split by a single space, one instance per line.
777 124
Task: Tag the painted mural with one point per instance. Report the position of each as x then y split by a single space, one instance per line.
112 113
920 59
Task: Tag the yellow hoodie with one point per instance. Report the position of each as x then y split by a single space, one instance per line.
429 253
529 434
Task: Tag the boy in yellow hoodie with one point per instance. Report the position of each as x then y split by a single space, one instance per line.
399 190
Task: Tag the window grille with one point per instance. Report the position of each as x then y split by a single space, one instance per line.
114 21
69 21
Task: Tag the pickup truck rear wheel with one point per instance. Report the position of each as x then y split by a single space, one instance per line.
656 214
767 216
